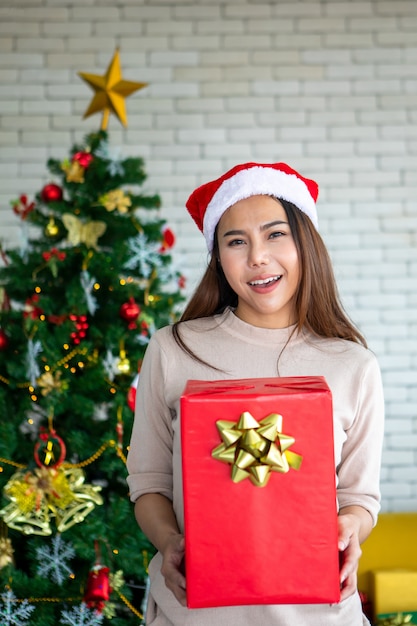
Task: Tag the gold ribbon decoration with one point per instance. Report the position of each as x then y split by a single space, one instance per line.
6 547
48 382
116 199
6 552
80 232
400 619
44 493
256 449
74 171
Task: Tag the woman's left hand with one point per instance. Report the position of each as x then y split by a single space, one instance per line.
350 553
355 524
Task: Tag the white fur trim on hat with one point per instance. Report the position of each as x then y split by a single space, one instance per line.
252 182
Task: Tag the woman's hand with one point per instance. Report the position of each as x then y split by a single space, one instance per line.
355 524
156 517
350 553
173 566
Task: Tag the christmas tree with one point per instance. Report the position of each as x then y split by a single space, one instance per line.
79 299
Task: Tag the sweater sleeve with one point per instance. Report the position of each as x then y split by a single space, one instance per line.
149 461
359 469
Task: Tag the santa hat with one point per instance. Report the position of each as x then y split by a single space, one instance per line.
207 203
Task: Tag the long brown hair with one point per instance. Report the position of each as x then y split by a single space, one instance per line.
317 302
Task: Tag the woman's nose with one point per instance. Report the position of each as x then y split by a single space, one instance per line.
258 254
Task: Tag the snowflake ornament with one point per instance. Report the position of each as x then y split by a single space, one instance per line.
101 412
144 255
53 561
33 419
87 283
14 612
32 368
114 157
81 616
110 365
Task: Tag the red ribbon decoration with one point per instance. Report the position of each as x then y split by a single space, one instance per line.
22 207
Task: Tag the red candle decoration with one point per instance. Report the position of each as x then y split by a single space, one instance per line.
130 311
98 588
51 193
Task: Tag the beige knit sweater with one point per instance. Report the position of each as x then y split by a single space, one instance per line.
240 350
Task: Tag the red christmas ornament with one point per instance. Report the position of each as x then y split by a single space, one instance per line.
81 327
4 340
54 252
31 309
130 311
98 588
49 450
131 394
83 158
51 193
168 240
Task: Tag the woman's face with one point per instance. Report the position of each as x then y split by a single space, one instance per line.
260 261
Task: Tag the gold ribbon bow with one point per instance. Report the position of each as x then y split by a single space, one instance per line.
255 449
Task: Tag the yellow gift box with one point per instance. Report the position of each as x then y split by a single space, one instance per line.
394 591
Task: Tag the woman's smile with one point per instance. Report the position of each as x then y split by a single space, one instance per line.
269 281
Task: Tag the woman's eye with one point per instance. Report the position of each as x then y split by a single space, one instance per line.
276 233
235 242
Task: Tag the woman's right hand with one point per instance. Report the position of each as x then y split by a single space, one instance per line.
156 517
173 566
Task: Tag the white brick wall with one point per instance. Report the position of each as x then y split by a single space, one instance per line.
330 86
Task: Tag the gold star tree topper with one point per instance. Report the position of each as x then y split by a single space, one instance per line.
110 92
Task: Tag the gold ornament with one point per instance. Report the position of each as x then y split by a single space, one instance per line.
4 300
123 364
110 92
48 383
6 552
116 199
44 493
51 229
255 449
74 171
87 233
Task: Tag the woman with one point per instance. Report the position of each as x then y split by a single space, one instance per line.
266 306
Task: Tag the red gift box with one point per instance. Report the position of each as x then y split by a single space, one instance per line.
249 544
